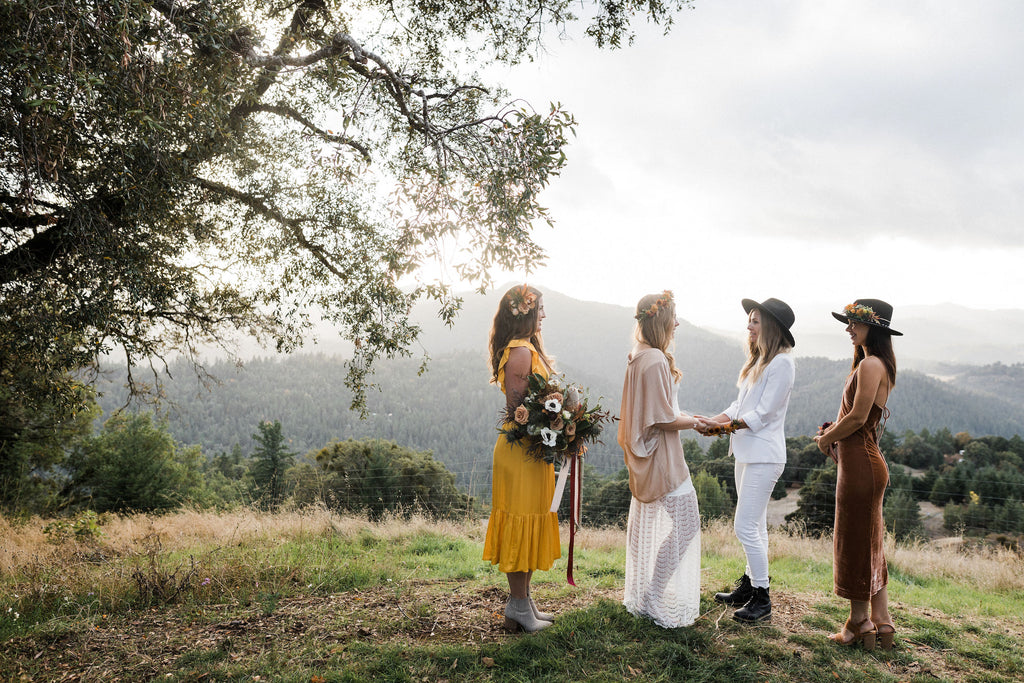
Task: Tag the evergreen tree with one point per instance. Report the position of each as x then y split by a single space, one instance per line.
1010 518
131 465
902 515
35 442
817 506
712 497
269 462
606 500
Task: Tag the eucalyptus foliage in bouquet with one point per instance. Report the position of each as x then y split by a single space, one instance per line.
555 419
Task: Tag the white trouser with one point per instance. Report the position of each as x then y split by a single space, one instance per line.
754 484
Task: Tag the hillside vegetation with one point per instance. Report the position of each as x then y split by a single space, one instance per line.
314 597
452 411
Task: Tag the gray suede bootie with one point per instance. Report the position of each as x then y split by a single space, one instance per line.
543 616
519 615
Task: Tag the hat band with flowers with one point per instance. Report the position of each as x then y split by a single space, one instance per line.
664 300
863 314
521 300
874 312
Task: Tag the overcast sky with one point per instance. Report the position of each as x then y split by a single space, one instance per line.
812 151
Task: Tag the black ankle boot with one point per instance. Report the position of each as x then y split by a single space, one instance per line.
740 595
759 607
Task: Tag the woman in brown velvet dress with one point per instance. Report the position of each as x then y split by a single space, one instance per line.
859 569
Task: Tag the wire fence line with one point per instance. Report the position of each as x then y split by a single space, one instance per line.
606 498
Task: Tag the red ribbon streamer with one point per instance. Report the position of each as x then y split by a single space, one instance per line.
575 499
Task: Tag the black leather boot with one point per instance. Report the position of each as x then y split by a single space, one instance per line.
759 607
740 595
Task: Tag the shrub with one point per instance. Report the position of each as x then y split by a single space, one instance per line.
376 476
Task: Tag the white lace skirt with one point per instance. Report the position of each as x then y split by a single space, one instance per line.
663 559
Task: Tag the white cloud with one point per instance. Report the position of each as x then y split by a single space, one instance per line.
812 150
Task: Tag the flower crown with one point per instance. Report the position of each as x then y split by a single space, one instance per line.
664 300
862 314
521 300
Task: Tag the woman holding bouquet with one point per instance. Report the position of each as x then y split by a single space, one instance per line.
859 568
757 420
522 532
663 530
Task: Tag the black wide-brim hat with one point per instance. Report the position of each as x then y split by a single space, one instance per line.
777 309
882 319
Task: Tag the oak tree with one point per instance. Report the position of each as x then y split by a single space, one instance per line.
176 173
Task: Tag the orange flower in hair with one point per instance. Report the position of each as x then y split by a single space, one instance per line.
664 300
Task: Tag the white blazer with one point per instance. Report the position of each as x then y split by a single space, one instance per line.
763 408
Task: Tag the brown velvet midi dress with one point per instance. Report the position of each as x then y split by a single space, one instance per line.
859 569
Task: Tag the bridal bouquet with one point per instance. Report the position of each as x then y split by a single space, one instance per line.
555 419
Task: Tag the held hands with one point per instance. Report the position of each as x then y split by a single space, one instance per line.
700 423
707 427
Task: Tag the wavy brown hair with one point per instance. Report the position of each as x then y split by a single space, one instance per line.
507 327
760 352
656 330
878 343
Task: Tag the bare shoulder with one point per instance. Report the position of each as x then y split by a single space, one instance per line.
871 368
519 357
873 363
518 353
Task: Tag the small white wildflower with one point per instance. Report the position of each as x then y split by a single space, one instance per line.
553 404
549 437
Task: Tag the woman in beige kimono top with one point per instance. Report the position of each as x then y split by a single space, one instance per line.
663 531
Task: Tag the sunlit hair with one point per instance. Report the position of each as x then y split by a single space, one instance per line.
656 330
879 344
770 342
507 327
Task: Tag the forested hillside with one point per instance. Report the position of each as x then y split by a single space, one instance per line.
452 410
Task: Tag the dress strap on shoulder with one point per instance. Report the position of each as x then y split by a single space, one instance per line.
515 343
520 342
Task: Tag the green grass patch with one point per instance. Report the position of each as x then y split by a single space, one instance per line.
376 604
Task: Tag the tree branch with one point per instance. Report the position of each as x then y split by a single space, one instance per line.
274 214
289 112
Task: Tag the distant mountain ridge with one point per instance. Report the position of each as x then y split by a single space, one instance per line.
452 410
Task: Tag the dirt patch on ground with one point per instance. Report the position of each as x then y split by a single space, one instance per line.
148 644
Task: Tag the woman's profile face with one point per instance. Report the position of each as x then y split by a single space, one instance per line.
672 323
540 313
858 333
754 324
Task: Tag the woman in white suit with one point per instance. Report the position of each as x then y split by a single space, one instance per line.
758 443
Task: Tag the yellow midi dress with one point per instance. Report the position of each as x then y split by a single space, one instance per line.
522 532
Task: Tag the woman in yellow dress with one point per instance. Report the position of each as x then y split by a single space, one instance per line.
522 532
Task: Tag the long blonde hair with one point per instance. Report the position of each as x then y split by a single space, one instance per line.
770 342
507 326
656 330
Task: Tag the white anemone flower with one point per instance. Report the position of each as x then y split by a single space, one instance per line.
554 405
548 437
